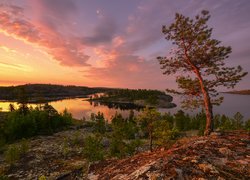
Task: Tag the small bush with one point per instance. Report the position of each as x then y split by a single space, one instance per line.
100 125
42 177
3 177
133 146
247 125
76 138
118 148
15 152
65 147
126 128
93 149
24 147
163 135
12 154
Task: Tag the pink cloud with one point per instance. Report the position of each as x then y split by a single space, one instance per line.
129 71
67 51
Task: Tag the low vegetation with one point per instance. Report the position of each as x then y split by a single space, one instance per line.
101 139
126 136
16 151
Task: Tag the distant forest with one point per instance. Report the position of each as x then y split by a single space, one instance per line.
243 92
45 92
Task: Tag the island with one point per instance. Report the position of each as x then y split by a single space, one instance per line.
137 97
39 93
111 97
240 92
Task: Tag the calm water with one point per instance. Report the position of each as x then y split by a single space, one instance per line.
81 108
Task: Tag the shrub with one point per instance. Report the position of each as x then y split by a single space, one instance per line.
120 148
16 151
133 146
226 123
24 147
164 133
42 177
125 128
247 125
3 177
238 121
117 147
147 120
12 154
2 140
181 121
65 147
76 138
100 125
93 149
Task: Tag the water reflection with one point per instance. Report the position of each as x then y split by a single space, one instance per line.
118 106
81 108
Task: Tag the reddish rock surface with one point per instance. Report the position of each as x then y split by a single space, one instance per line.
225 156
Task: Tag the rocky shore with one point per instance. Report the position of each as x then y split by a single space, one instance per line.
219 156
54 157
225 156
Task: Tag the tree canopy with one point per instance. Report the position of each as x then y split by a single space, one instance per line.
198 61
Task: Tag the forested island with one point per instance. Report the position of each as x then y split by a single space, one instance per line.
139 97
46 92
241 92
112 97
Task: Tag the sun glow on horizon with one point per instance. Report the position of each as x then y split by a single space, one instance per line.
100 44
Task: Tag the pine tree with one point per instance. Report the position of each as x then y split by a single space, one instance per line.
198 61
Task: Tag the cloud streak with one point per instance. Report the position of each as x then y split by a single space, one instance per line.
120 46
19 67
103 33
66 51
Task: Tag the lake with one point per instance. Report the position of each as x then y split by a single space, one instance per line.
80 108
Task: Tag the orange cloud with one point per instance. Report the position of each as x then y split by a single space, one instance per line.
117 41
67 51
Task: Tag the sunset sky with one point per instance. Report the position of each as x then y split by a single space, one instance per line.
110 43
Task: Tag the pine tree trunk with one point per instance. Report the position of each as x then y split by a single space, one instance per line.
209 114
207 101
208 107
